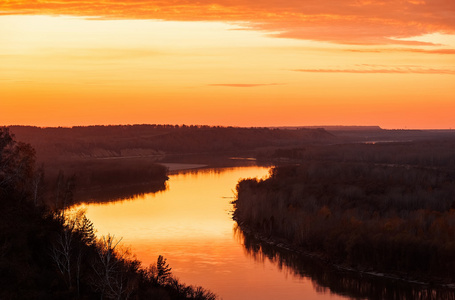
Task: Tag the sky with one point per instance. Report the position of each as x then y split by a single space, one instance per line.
389 63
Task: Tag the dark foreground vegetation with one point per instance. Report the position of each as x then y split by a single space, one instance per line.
386 207
51 254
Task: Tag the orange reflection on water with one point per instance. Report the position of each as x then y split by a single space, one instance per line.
190 224
195 206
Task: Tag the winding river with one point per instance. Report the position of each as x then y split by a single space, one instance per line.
190 224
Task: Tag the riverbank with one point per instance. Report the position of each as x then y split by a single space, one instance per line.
48 253
375 219
174 168
278 245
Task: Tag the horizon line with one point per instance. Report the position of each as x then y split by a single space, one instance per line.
227 126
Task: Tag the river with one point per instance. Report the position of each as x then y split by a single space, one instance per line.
190 224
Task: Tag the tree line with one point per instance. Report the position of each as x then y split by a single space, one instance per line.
155 140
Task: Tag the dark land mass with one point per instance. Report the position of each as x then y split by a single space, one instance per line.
375 134
47 253
361 198
387 207
124 160
114 162
157 140
104 180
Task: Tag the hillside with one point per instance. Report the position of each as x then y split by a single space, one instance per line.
49 253
155 140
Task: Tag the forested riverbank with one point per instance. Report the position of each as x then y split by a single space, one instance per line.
383 208
338 279
47 253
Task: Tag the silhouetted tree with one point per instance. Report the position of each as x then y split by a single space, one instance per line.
64 189
163 269
17 162
38 185
62 252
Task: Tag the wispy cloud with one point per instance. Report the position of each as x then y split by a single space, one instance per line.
397 70
346 22
415 50
244 85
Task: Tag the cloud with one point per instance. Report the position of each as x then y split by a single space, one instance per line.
396 70
345 22
244 85
427 51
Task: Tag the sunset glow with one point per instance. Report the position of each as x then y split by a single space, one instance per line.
241 63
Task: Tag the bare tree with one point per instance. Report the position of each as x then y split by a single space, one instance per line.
111 269
78 270
67 251
61 253
37 184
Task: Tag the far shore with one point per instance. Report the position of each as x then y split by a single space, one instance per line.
175 167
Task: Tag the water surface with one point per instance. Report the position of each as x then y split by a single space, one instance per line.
190 224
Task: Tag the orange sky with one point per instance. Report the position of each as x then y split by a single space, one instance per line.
228 62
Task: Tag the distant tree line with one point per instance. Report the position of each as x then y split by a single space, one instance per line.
149 140
363 207
50 254
122 160
432 153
